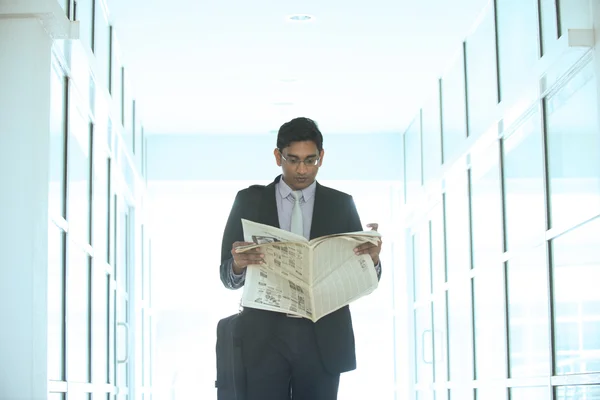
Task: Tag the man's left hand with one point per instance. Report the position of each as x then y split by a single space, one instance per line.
370 248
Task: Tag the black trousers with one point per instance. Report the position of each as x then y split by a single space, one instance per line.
291 366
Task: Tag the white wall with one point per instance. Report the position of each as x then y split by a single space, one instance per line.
24 131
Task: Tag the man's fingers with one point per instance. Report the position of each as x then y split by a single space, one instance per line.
367 248
239 244
374 226
370 250
364 246
240 257
242 260
251 256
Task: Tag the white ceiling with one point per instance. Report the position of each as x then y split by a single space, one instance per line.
221 66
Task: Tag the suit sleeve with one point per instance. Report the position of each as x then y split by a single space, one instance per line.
356 225
233 233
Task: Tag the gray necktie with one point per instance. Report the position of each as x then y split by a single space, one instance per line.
297 223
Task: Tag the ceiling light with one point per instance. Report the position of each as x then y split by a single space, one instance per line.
301 18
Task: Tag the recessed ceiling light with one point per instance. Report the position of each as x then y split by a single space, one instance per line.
301 18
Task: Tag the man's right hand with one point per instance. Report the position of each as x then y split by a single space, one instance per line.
242 260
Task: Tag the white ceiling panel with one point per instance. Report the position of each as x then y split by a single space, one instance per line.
242 67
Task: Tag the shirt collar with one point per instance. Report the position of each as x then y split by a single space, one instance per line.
285 190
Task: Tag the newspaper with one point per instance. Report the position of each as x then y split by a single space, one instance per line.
306 278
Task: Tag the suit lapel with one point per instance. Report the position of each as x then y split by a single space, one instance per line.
319 219
268 206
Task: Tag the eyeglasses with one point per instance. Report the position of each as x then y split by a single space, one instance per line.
310 161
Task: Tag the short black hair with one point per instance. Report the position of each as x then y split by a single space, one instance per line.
299 130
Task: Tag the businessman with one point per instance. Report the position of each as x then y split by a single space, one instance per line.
285 356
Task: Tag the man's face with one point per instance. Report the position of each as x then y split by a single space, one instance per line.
300 162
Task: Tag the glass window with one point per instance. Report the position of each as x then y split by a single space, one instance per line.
486 207
431 127
576 273
101 192
143 152
102 45
440 338
482 86
110 137
123 105
438 249
517 44
401 167
529 393
65 5
524 184
574 14
423 348
113 237
412 154
122 244
591 337
151 345
56 396
111 332
489 327
100 325
101 208
58 105
116 77
56 301
79 164
490 393
122 342
573 144
454 110
441 394
123 334
402 336
137 132
78 313
549 24
421 263
424 395
73 395
144 359
528 314
456 210
85 16
128 121
148 352
462 393
583 392
460 343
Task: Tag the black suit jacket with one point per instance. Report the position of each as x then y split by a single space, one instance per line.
334 212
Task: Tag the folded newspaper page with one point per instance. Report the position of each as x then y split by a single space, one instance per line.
306 278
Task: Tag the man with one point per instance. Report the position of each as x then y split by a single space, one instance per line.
283 353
